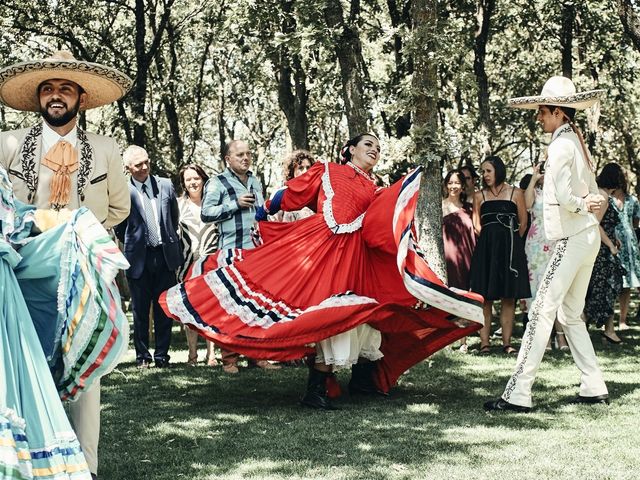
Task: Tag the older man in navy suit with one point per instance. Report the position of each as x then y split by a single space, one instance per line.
151 245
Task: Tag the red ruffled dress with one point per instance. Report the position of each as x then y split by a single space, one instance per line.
355 261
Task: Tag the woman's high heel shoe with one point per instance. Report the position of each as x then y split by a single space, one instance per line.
607 339
562 348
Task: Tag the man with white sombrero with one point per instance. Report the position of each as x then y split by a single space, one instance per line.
55 165
570 200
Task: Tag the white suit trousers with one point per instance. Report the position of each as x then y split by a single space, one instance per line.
561 291
85 418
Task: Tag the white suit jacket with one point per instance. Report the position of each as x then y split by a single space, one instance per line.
101 185
567 181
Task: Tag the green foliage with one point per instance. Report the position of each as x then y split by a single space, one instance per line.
215 74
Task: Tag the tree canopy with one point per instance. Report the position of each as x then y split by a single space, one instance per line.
290 74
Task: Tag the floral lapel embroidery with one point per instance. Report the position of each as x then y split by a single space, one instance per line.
86 162
28 156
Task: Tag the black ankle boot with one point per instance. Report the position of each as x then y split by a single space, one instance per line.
362 379
316 394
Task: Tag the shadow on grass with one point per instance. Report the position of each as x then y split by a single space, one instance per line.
199 423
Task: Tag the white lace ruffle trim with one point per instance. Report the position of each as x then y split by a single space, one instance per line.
327 208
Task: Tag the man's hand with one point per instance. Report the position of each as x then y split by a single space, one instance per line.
594 201
246 201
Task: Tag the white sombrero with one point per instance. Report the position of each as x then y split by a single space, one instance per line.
559 91
19 83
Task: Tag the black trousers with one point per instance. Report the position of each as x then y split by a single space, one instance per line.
155 279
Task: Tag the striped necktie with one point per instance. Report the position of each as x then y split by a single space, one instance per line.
153 238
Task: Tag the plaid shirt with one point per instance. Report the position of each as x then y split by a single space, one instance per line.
220 205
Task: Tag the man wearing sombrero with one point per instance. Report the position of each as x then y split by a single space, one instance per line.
56 165
570 199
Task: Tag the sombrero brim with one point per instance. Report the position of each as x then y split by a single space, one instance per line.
19 83
579 101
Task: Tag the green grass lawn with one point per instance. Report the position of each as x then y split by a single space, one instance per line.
199 423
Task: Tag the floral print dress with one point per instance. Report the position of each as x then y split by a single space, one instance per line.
537 247
629 254
606 280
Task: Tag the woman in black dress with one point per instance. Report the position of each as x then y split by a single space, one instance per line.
499 265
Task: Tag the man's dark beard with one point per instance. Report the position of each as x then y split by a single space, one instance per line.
69 115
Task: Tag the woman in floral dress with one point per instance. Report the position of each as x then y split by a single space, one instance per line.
614 180
606 280
537 247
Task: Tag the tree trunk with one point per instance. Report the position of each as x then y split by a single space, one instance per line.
484 11
222 122
139 90
289 69
169 100
400 16
425 132
144 56
196 128
349 52
630 21
566 37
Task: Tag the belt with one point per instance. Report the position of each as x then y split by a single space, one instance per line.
507 220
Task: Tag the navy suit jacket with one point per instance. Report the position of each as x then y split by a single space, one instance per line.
133 231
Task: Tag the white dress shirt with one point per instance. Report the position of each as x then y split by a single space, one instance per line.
154 202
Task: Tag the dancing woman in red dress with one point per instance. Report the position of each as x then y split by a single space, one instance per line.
354 261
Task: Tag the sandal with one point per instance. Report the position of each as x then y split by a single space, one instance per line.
484 350
193 361
509 350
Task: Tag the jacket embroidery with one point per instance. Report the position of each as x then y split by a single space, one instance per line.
86 161
28 161
17 174
98 179
28 156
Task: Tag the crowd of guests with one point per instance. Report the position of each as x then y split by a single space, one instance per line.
370 302
493 233
495 244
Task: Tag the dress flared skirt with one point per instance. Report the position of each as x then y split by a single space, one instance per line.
308 282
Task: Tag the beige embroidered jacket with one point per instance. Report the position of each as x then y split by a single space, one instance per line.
567 181
100 183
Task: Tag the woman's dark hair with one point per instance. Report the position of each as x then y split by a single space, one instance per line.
294 160
345 154
472 170
498 166
447 177
525 181
198 169
612 176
